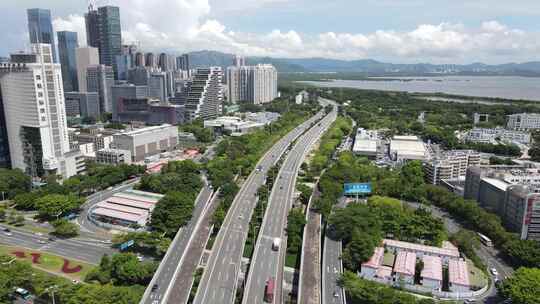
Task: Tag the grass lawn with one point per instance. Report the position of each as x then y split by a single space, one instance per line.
291 260
476 276
48 262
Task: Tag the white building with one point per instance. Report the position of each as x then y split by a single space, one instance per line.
366 142
148 141
483 135
404 148
85 57
233 125
205 95
450 165
298 99
523 121
35 114
255 84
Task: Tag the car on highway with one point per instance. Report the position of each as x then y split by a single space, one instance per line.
6 229
494 272
42 242
154 287
52 238
276 243
336 294
8 233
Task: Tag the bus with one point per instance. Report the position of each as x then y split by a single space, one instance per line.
269 291
485 240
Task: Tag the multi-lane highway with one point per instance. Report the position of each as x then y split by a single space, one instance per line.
332 268
169 267
267 262
84 250
218 283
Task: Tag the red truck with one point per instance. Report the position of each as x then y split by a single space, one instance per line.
269 290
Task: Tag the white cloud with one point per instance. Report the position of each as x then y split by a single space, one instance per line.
186 25
74 23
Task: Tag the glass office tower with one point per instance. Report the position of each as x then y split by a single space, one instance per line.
40 28
67 44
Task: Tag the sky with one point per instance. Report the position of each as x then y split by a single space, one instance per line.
398 31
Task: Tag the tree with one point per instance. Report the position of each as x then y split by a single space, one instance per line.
13 182
64 228
359 249
26 201
173 211
54 205
295 227
19 220
523 287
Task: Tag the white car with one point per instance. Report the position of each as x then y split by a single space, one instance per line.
8 233
494 272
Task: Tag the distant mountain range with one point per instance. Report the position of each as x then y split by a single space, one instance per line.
369 66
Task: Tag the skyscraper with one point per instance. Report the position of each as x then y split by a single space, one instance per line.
254 84
67 44
103 31
139 59
86 57
4 143
100 79
92 27
40 28
35 114
123 65
205 95
150 60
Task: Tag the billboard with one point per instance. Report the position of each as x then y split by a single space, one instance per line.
356 188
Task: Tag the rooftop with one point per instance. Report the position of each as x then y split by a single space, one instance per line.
130 217
458 273
417 247
499 184
376 259
405 263
145 130
384 272
432 268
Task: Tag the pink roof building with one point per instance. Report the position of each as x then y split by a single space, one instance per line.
376 259
384 272
458 273
131 203
431 250
432 268
405 263
119 215
121 208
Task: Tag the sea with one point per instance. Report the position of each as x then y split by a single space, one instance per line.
506 87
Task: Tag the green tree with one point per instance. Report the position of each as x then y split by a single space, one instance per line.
173 211
295 227
54 205
359 249
13 182
523 287
26 201
64 228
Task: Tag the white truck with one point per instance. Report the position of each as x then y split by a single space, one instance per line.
275 244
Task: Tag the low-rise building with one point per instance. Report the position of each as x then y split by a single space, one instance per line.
369 268
232 125
147 141
458 276
445 254
405 148
366 143
131 208
113 156
404 267
483 135
523 121
432 272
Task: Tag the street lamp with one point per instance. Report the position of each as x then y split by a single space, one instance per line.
51 289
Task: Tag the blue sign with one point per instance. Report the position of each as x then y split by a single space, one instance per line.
357 188
126 245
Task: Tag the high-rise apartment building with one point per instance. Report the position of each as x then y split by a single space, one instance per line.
86 56
205 95
35 113
67 44
100 79
166 62
150 60
40 28
182 62
139 59
239 61
450 165
104 32
255 84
